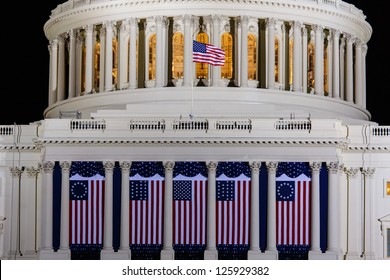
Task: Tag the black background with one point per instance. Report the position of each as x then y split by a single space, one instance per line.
25 61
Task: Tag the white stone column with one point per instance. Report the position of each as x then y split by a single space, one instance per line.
364 87
167 252
133 53
61 69
315 210
160 20
53 83
368 214
336 64
342 68
108 56
72 64
125 200
304 59
211 250
123 55
16 173
254 250
88 58
108 250
334 250
319 60
297 50
244 20
64 228
188 75
47 211
270 23
354 234
358 74
216 41
271 252
349 69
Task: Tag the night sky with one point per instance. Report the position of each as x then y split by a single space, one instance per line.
25 62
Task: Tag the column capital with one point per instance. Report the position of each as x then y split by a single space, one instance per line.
333 167
272 166
244 19
364 49
169 165
296 25
212 166
317 28
16 171
65 165
53 43
315 166
32 171
187 18
133 21
336 33
367 171
109 165
125 165
48 166
270 22
88 28
255 166
351 172
216 18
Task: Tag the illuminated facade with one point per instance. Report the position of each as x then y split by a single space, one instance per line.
282 122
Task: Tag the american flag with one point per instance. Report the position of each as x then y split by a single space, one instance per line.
233 210
293 210
86 209
207 53
189 210
146 209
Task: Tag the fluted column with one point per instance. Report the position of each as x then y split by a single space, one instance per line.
297 46
88 58
342 68
53 83
64 237
47 209
315 209
123 55
319 60
358 74
368 221
72 64
244 20
304 59
16 173
125 200
270 23
349 69
211 250
187 19
108 56
271 210
160 20
364 87
333 211
216 41
108 207
167 251
354 215
336 64
61 69
254 250
133 53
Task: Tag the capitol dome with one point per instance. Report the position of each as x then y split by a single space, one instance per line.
283 58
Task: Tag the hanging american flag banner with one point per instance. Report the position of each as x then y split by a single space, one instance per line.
189 210
86 209
293 210
233 210
146 209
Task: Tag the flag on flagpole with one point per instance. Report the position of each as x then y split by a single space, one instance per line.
207 53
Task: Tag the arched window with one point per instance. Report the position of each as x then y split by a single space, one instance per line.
276 60
96 65
310 66
152 57
178 55
290 59
252 57
202 68
114 62
227 46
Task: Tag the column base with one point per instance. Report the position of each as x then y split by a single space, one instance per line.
267 255
28 255
124 254
109 254
254 254
318 255
167 254
353 256
369 256
211 255
49 254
